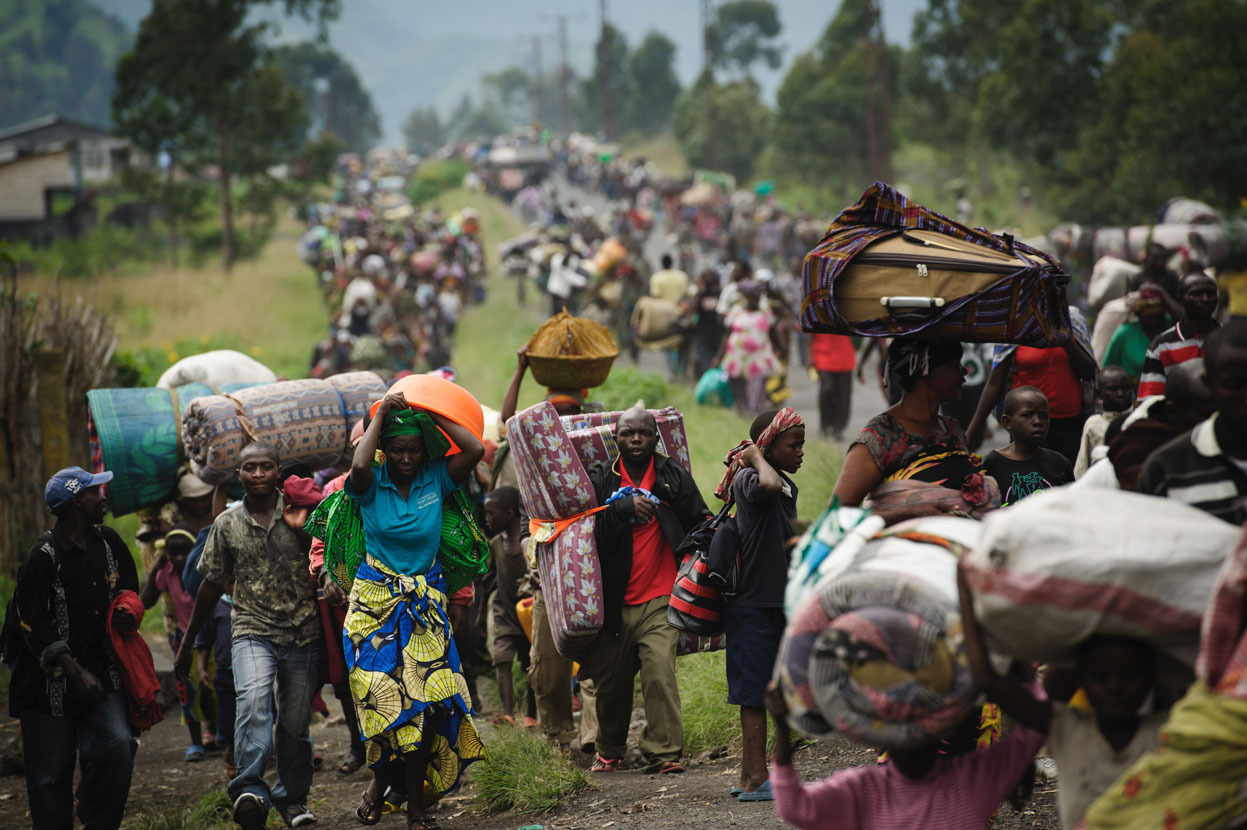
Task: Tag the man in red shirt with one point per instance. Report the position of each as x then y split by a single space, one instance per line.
833 357
652 504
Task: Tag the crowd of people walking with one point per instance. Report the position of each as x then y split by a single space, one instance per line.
260 619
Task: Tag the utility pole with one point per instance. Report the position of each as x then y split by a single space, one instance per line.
535 86
565 112
878 96
710 154
604 79
565 70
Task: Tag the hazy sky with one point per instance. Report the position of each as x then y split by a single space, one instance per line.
417 52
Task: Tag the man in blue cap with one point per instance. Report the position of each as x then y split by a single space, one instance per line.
66 687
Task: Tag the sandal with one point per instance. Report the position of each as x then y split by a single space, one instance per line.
367 813
194 754
350 765
762 793
671 768
422 822
601 764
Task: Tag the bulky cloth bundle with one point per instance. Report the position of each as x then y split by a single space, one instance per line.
875 650
308 421
1055 569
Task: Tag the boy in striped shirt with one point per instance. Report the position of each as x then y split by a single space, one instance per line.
1185 340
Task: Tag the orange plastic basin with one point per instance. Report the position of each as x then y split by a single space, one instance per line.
441 396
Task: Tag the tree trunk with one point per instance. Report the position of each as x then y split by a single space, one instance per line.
172 214
227 217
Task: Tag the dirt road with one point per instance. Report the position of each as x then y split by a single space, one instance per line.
164 785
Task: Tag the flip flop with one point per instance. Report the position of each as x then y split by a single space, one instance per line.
762 793
364 812
601 764
194 754
735 791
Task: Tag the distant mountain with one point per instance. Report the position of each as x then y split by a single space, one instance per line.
58 56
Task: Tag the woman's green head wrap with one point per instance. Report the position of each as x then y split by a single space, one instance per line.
414 422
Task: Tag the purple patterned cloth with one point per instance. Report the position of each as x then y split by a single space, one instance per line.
1028 307
572 583
552 480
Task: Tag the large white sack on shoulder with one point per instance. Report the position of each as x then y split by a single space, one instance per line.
1109 278
216 369
1063 565
907 558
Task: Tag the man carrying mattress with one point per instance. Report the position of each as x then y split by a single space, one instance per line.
651 505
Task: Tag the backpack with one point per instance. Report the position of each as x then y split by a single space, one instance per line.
696 603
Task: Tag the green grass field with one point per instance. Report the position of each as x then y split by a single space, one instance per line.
490 334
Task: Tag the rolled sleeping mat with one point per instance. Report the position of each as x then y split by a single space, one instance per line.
137 435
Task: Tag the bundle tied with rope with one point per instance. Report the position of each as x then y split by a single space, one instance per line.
307 421
569 352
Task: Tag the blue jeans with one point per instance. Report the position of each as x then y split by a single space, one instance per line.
49 747
257 663
223 682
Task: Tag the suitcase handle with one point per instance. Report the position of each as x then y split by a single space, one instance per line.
912 310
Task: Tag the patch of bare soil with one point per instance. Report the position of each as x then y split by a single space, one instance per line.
698 798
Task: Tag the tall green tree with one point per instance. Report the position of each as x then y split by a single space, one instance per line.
745 33
723 126
820 122
200 83
423 130
1172 119
1044 81
337 101
606 92
653 84
510 92
57 56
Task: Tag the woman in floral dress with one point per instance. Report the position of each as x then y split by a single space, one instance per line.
748 354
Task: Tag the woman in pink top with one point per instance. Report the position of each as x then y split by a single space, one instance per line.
914 788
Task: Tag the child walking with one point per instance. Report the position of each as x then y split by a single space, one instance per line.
502 518
1091 748
1025 466
166 575
212 645
913 788
766 507
1116 391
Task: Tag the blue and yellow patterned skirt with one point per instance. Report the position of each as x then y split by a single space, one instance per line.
404 672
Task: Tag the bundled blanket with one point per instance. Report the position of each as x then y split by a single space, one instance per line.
875 650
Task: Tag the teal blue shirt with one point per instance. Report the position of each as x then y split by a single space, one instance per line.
405 533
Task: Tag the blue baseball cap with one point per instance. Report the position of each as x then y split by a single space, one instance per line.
69 482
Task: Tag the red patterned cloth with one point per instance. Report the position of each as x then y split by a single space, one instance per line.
138 675
301 492
1222 663
785 419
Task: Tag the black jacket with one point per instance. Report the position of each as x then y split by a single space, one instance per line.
682 509
83 574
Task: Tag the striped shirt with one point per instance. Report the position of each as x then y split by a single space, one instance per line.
1168 349
958 794
1192 469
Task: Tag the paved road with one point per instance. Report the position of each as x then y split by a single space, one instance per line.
868 400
